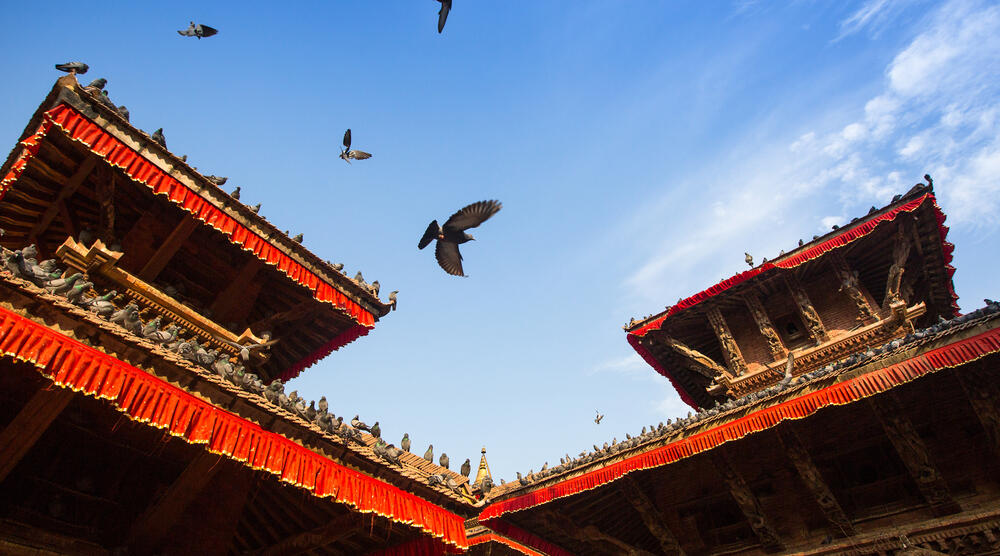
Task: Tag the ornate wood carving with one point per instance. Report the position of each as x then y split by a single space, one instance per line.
810 475
850 285
894 282
29 424
747 502
698 361
650 516
806 310
591 534
913 452
68 189
730 350
766 327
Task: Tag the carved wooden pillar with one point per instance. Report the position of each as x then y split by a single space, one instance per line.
913 452
806 310
650 516
747 502
730 350
810 475
894 282
850 285
766 327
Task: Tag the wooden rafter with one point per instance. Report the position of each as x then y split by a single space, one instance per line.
335 530
813 479
747 502
29 424
70 187
168 249
590 534
236 292
651 516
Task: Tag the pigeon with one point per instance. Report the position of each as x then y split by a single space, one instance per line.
429 454
930 182
522 480
405 442
311 411
217 180
347 154
256 208
598 418
198 30
748 259
443 460
73 67
359 424
375 287
392 299
104 99
359 279
235 194
96 86
157 137
466 467
246 350
376 430
453 233
336 266
123 112
801 243
435 479
298 238
443 14
323 405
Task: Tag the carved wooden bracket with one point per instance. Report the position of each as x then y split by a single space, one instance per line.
766 327
729 348
697 361
850 285
810 475
651 516
913 452
747 502
806 309
894 282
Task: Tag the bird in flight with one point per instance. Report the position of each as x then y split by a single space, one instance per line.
453 233
73 67
347 154
443 13
598 418
198 30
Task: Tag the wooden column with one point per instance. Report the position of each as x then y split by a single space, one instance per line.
850 285
150 527
747 502
766 327
730 350
651 516
324 535
67 191
811 477
29 424
166 251
913 452
806 310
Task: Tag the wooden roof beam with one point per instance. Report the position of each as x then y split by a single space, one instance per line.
984 396
23 432
168 249
590 534
70 187
335 530
651 516
747 501
840 524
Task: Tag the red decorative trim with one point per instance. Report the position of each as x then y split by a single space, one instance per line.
525 538
148 399
848 236
869 384
337 342
490 537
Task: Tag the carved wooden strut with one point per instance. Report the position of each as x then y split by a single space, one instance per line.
765 326
729 348
850 285
806 310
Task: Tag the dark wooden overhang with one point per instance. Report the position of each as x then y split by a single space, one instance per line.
908 436
869 252
57 184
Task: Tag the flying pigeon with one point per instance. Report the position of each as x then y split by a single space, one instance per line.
453 233
405 443
598 418
466 467
347 154
198 30
443 460
443 14
429 454
157 137
73 67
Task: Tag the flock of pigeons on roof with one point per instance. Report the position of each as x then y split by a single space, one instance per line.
672 430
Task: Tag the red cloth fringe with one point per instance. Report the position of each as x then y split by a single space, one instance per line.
526 539
869 384
148 399
490 537
337 342
849 236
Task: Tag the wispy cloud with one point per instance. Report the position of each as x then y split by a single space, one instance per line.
873 16
629 364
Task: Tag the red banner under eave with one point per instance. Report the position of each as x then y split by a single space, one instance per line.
116 153
869 384
148 399
849 236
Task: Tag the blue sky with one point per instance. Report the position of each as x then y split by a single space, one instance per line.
639 149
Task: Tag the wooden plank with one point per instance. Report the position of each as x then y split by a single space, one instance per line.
29 424
75 181
650 516
149 528
237 290
170 246
337 529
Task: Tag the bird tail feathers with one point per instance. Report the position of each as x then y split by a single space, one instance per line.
432 232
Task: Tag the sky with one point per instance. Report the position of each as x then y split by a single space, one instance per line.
639 148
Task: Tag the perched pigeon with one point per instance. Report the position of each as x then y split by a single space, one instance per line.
453 233
466 467
376 430
359 424
256 208
323 405
443 14
95 86
347 154
73 67
392 299
104 99
429 454
375 287
123 111
235 194
298 238
748 259
217 180
443 460
157 137
598 418
198 30
405 442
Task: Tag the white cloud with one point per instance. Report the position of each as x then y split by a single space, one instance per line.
873 16
628 364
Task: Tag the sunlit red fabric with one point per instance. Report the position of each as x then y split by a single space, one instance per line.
525 539
148 399
869 384
848 236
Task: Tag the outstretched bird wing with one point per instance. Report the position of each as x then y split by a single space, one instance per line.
347 139
449 258
358 155
432 232
206 31
472 215
443 13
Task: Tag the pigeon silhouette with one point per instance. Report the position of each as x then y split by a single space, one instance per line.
198 30
347 154
73 67
157 137
443 14
453 233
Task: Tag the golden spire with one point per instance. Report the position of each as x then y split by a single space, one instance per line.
484 469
